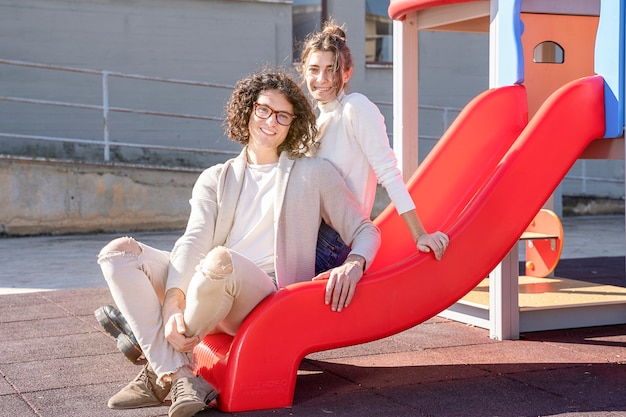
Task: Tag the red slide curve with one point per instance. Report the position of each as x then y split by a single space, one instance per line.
484 201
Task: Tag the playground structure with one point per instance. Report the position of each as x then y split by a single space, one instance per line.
486 180
532 44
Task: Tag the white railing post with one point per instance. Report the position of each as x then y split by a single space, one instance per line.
105 114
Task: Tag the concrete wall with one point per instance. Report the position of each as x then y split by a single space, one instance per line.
39 196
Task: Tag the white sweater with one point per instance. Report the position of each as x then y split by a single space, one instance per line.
354 139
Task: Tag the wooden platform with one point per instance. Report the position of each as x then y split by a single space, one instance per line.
551 303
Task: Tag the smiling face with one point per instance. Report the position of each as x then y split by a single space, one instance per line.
320 76
266 135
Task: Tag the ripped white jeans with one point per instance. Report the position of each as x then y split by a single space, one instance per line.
223 291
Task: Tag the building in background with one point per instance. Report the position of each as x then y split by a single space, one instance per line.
214 43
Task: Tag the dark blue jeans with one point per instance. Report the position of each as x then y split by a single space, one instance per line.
331 251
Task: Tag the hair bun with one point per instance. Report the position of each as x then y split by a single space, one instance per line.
332 29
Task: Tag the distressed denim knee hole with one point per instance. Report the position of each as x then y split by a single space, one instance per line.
217 264
121 246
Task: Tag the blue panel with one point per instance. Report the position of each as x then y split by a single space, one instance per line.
510 54
610 61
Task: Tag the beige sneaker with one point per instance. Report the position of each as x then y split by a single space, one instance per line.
190 395
143 391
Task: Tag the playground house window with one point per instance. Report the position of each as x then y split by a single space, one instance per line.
308 15
548 52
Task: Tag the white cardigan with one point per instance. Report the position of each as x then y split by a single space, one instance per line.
308 190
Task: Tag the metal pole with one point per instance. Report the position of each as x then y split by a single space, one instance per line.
105 114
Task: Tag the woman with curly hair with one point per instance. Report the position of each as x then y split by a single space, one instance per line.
252 229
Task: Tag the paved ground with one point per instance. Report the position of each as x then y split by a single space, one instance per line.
56 360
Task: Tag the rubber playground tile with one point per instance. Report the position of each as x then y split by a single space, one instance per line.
56 347
597 386
314 380
380 373
45 327
431 334
80 302
5 387
14 406
479 397
88 400
46 374
32 307
444 333
365 402
604 343
517 356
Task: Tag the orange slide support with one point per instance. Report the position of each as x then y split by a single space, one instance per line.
497 181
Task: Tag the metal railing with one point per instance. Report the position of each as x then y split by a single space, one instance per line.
447 116
106 109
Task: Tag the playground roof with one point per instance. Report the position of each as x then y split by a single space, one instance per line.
399 8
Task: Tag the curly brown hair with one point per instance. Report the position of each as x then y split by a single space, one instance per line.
332 38
239 107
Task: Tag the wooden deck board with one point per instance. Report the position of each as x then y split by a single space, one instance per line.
552 293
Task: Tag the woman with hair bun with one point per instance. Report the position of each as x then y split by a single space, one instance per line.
353 137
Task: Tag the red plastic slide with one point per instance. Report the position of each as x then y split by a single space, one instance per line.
455 168
489 192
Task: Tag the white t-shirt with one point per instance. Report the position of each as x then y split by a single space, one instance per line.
252 234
